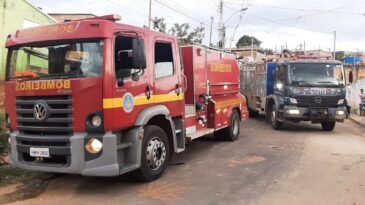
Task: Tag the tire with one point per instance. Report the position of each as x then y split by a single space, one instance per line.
154 154
232 132
328 125
275 123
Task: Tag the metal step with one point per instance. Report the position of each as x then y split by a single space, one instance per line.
199 133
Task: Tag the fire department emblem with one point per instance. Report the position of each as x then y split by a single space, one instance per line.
128 102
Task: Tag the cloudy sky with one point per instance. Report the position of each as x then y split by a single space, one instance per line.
275 22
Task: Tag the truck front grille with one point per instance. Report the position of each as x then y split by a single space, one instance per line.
325 101
54 132
59 121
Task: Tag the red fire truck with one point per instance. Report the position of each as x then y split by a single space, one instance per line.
99 98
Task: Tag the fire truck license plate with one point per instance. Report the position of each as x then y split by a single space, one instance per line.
39 152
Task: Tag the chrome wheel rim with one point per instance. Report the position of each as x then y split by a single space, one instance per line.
155 153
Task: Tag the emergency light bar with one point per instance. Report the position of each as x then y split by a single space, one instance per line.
111 17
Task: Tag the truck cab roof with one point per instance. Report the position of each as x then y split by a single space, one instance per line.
319 61
90 28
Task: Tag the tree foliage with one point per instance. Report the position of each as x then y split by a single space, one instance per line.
246 40
182 31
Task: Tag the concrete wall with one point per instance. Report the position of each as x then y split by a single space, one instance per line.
14 15
353 93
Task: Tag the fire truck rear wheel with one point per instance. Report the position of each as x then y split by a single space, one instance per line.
232 132
155 154
328 125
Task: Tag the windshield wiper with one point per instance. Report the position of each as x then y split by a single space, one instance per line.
322 82
63 75
23 77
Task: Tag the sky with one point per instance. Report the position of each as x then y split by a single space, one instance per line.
277 23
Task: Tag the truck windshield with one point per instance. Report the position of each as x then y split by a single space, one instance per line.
316 74
66 60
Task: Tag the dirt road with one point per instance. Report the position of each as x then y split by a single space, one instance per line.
299 165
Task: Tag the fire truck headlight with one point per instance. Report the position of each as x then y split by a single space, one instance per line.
94 146
96 121
341 101
7 121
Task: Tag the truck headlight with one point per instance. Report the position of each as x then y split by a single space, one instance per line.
340 112
293 101
341 101
94 146
96 121
293 112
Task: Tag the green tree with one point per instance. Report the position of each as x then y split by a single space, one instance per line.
268 51
246 40
159 25
181 31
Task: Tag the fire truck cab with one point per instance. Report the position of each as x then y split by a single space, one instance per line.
100 98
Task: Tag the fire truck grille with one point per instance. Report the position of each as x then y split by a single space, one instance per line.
58 121
314 101
54 132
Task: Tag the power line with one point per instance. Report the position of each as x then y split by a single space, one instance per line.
182 13
315 10
288 25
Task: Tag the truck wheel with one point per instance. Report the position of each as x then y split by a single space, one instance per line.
232 132
155 154
328 125
276 124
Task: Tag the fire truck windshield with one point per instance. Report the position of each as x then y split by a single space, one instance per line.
66 60
316 74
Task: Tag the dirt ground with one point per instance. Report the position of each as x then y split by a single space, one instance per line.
300 165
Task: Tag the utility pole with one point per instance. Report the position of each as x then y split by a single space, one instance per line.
334 45
211 27
149 14
221 26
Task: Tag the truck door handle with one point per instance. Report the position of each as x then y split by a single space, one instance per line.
148 92
177 90
185 83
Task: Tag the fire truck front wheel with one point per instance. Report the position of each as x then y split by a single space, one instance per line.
232 132
155 154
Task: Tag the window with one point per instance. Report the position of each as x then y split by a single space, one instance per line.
71 60
124 58
164 64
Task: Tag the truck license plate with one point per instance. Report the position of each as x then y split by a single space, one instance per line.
39 152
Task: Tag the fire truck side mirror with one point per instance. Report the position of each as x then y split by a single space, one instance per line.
139 54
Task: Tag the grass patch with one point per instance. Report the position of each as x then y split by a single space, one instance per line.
9 175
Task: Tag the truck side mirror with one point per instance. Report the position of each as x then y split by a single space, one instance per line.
139 55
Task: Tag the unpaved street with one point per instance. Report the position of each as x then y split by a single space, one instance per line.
300 165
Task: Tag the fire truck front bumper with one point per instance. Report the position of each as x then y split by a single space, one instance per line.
119 154
295 113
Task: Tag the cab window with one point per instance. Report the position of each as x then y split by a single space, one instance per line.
164 64
124 58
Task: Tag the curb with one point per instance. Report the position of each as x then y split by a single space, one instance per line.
356 122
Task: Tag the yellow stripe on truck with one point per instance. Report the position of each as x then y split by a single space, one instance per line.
109 103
